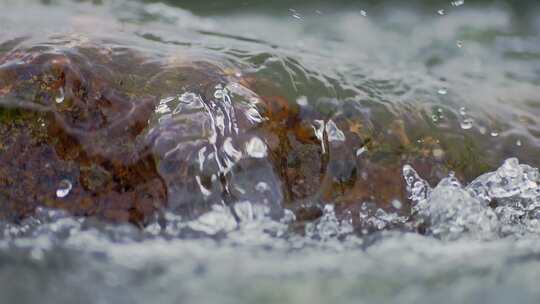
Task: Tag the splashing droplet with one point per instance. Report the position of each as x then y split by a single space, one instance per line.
442 91
467 123
60 98
63 188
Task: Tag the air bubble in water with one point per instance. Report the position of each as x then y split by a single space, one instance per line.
63 188
441 12
438 153
60 98
296 15
482 130
302 101
467 123
361 151
442 91
256 148
435 118
494 133
397 204
363 13
459 44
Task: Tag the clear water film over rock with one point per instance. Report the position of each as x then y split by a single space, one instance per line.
269 152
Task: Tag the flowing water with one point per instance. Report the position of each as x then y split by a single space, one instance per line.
459 79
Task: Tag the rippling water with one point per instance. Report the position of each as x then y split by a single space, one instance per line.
456 82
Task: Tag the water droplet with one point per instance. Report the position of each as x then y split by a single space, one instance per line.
459 44
262 187
494 133
256 148
467 123
442 91
63 188
302 101
463 111
60 98
363 13
457 3
441 12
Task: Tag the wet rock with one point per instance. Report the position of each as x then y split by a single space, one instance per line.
126 150
121 136
71 127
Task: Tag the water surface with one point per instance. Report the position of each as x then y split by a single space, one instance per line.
457 74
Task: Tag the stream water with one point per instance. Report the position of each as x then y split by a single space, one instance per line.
466 73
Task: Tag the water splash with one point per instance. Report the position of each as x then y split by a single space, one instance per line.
451 210
329 226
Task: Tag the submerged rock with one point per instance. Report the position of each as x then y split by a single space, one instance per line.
118 135
107 135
